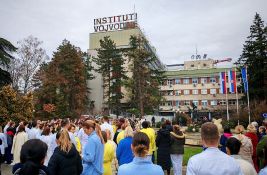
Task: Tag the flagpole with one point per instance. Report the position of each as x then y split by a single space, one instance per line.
226 96
236 95
248 96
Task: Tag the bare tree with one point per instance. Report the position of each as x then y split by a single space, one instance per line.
30 56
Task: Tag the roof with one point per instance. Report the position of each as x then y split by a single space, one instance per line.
195 72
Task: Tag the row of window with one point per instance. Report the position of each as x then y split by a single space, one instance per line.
194 92
194 81
203 80
203 103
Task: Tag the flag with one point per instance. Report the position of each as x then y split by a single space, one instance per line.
223 82
244 78
232 81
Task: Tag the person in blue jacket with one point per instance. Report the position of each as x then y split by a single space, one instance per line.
94 149
124 152
141 164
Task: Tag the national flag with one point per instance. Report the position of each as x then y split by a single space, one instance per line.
232 81
245 78
223 82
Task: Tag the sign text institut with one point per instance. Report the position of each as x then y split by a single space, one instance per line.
113 23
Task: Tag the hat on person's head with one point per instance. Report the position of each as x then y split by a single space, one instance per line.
251 128
255 124
239 129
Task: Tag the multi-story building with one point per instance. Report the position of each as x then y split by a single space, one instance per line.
119 28
198 83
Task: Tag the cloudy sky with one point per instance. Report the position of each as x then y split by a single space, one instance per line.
175 27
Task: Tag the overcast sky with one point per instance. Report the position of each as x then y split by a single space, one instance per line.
175 27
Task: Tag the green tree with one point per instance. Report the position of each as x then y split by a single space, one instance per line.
110 65
14 106
63 82
147 74
254 56
6 48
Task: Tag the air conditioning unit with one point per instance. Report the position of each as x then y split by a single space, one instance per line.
202 84
194 84
214 95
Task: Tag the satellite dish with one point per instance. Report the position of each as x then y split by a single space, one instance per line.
198 57
193 57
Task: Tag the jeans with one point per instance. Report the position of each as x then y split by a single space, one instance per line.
8 155
177 163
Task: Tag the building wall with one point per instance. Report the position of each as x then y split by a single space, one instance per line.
180 94
121 39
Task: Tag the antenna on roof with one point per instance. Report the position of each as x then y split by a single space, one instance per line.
196 56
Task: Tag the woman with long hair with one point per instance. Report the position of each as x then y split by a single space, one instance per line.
20 138
124 152
141 164
108 155
177 149
246 150
94 149
46 137
252 134
65 159
32 157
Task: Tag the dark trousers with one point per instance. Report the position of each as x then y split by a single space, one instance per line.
8 155
153 157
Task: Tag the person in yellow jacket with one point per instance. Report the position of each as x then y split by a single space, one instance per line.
152 137
72 129
121 134
108 155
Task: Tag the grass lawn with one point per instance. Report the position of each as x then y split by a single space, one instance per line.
189 152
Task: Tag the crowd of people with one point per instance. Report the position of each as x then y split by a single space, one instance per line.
128 147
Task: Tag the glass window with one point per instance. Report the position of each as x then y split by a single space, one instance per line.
212 80
212 91
169 103
186 92
170 93
177 103
232 102
186 80
204 102
203 91
204 80
222 102
177 92
195 80
177 81
195 102
186 102
169 82
195 91
213 102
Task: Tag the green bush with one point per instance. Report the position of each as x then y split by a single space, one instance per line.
191 127
158 124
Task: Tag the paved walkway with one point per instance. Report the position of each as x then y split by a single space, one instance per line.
6 169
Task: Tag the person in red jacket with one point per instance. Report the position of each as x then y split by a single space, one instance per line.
252 134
